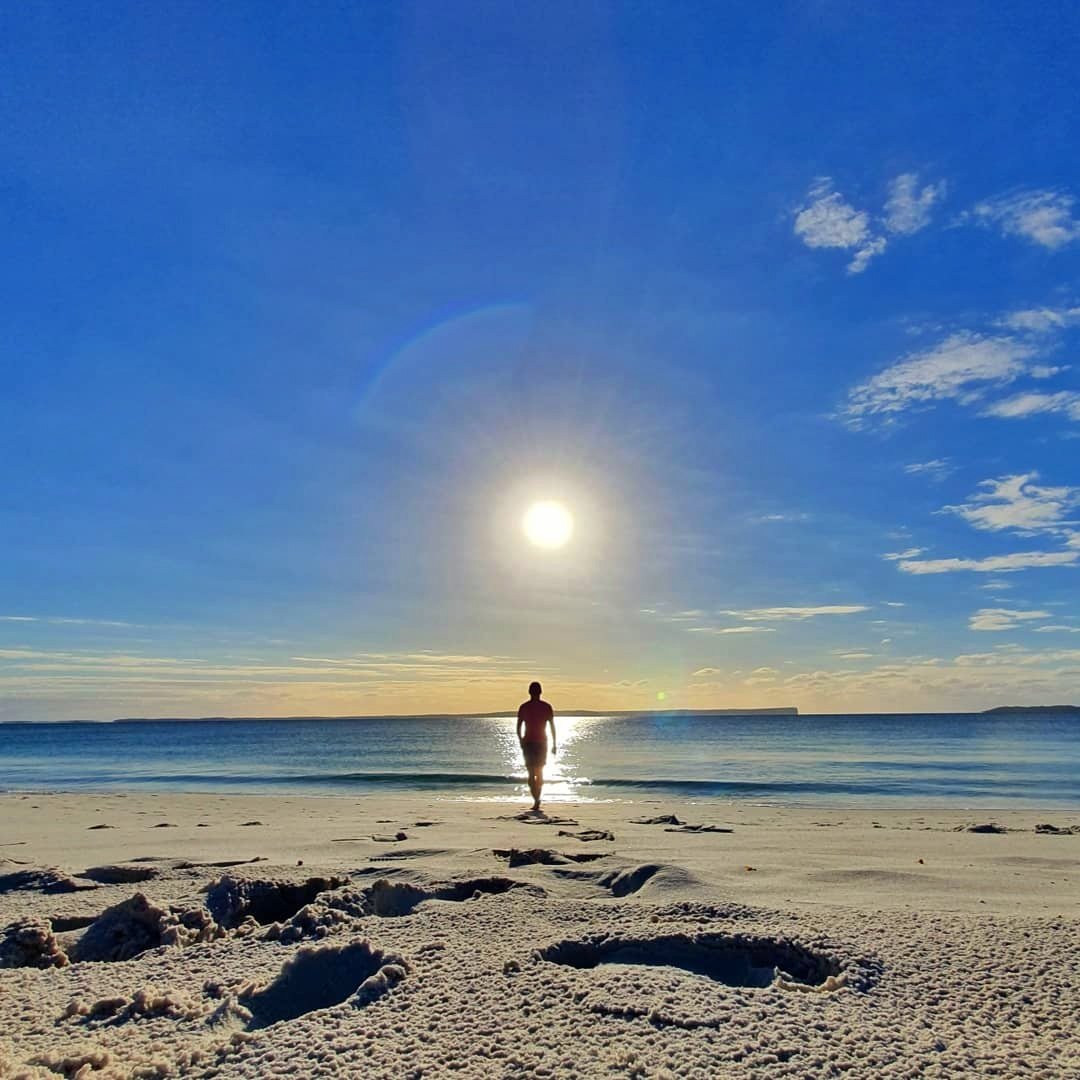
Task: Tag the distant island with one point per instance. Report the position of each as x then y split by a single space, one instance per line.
1013 710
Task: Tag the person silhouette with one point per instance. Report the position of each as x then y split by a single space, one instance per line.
533 719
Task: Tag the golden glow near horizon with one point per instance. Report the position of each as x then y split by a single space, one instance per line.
548 525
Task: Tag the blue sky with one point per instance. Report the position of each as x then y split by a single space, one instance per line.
303 306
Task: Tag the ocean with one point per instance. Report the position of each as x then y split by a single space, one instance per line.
948 760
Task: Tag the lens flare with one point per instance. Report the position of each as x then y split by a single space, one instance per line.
548 525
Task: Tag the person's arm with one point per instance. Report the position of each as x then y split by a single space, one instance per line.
554 744
520 724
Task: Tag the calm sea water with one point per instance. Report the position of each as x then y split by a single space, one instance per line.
948 760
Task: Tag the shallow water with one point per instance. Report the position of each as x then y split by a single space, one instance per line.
926 760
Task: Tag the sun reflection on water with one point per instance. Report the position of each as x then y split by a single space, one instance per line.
563 781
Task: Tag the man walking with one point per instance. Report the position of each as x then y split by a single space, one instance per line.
534 718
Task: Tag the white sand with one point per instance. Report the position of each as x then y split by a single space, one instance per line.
906 948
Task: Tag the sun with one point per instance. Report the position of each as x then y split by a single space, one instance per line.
548 524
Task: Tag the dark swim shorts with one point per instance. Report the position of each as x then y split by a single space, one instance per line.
535 754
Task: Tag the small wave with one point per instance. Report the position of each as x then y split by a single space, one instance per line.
434 781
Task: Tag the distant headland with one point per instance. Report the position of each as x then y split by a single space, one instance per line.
1014 710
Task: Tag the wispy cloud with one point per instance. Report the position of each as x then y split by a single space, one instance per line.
907 209
1003 618
994 564
937 469
1040 320
1056 628
968 681
962 367
705 672
1032 404
767 519
910 553
64 620
781 614
828 220
1017 503
871 249
731 630
1043 217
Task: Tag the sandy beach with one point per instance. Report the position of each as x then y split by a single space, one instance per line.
205 935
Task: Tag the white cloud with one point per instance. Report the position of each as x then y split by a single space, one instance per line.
894 603
868 251
857 655
779 614
731 630
961 367
1040 320
996 586
910 553
705 672
995 564
1057 629
1003 618
1016 502
907 210
62 620
937 469
829 221
1031 404
1042 217
764 519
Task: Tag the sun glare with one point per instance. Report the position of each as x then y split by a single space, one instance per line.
548 524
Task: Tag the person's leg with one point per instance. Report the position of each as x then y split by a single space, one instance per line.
536 780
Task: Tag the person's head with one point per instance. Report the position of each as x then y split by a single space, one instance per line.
535 689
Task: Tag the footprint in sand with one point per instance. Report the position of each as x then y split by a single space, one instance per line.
544 857
537 817
588 835
322 976
734 960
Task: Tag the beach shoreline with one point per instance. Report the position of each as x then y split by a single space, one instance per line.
904 904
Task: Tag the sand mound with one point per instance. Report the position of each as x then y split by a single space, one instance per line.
122 932
30 943
135 926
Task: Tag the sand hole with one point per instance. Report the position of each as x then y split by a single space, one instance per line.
392 899
120 875
64 924
735 960
625 882
232 900
319 977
